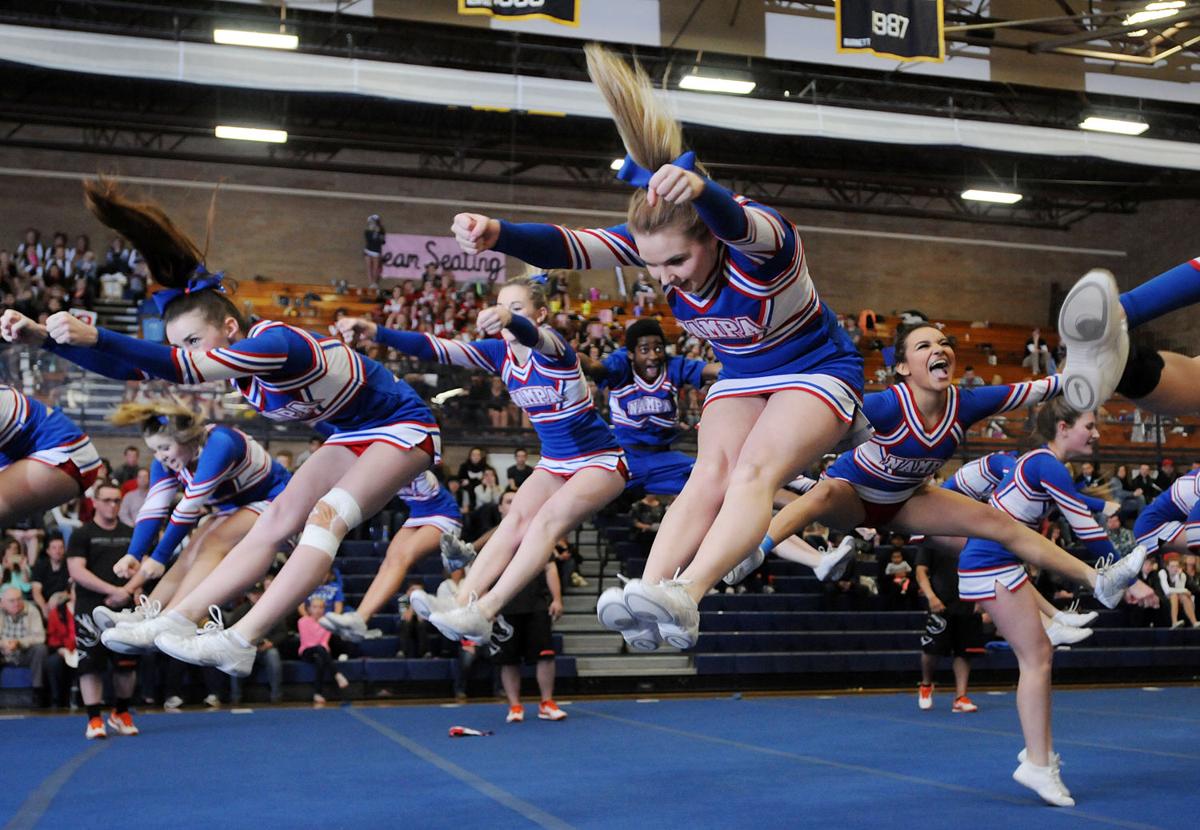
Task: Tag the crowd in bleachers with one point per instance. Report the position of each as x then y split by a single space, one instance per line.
39 629
39 277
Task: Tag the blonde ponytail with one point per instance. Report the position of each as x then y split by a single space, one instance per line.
161 417
651 136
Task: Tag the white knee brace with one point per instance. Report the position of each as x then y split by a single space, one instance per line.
324 538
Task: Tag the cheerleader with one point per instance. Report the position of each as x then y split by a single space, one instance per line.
381 434
1172 521
582 468
217 468
735 274
432 512
1094 323
45 460
991 574
919 424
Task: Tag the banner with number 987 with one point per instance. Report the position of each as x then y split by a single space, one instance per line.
906 30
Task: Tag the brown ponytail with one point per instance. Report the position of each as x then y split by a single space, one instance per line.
170 254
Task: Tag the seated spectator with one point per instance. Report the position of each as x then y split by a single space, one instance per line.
134 497
22 636
49 574
519 471
853 331
470 472
1174 587
899 589
644 292
67 518
1088 477
16 572
329 592
1123 494
488 491
647 514
1038 358
61 657
1145 484
969 378
1120 536
568 560
130 464
314 648
285 460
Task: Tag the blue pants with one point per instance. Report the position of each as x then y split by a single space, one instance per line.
663 473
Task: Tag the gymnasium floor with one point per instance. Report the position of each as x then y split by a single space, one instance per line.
1131 758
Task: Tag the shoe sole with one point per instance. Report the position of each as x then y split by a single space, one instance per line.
348 633
1088 300
677 636
1070 802
232 669
420 606
615 615
550 718
644 644
643 607
128 649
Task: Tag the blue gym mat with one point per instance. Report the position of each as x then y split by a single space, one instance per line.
1130 757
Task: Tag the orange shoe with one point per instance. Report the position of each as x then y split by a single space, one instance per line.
95 729
516 714
548 710
122 723
963 704
925 696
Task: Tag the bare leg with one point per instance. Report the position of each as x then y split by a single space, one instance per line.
212 549
510 678
407 547
1016 618
30 487
962 672
545 678
832 502
940 512
928 667
585 493
693 511
1178 389
285 516
774 452
372 481
1189 607
502 544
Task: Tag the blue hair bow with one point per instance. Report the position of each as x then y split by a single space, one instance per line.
200 280
637 176
540 279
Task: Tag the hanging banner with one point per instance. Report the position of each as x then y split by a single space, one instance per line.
565 12
409 256
903 30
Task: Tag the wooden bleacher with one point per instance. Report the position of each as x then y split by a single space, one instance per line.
315 314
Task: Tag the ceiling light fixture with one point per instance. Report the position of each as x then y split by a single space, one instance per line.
262 40
998 197
1121 126
251 134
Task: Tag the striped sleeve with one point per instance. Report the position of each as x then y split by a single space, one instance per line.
14 410
261 354
485 355
981 402
1076 509
222 453
155 510
556 246
754 229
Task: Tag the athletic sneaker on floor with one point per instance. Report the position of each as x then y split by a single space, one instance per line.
516 714
548 710
963 704
95 729
122 723
925 696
